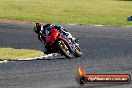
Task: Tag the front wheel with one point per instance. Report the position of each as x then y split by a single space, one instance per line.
78 52
64 49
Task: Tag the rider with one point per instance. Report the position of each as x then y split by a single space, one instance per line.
45 30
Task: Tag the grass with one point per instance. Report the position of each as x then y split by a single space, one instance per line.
13 54
106 12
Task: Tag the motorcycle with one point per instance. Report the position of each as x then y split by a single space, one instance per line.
59 43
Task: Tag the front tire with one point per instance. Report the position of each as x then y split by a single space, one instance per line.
64 49
78 52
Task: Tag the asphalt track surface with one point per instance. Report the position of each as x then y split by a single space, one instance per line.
105 50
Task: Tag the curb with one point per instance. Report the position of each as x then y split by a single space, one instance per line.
35 58
41 57
4 61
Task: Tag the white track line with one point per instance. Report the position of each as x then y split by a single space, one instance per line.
41 57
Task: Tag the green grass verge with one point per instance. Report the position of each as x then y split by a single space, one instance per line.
13 54
106 12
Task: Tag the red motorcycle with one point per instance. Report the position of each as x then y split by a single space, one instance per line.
59 43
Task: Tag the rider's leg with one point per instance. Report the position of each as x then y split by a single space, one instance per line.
46 47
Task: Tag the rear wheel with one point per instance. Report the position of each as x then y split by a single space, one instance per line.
64 48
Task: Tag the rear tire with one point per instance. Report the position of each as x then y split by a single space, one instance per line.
64 49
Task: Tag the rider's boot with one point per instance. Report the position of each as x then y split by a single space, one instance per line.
46 50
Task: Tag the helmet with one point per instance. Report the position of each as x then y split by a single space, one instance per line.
47 25
57 27
60 28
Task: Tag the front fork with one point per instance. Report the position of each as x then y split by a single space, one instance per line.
73 44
